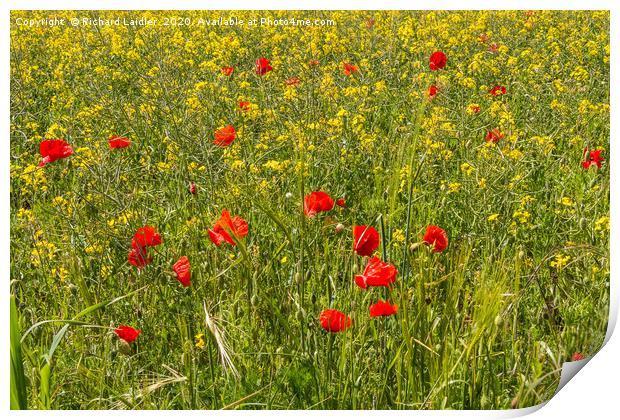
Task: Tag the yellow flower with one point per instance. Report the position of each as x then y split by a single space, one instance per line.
466 168
522 216
560 261
193 103
602 224
398 236
473 109
200 340
454 187
566 201
61 272
25 214
493 217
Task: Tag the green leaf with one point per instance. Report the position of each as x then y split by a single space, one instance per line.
18 379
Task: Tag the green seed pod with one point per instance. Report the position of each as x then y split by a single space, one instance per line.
298 278
582 223
301 315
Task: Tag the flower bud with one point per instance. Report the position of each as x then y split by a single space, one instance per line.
124 347
415 246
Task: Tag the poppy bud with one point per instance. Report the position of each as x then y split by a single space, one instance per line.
298 278
124 347
301 315
254 300
514 403
498 320
415 246
192 187
355 268
339 228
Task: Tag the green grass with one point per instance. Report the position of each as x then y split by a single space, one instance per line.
485 324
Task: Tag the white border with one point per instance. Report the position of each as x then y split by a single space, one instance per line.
593 393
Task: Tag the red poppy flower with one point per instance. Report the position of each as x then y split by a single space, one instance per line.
494 136
244 106
263 66
383 308
192 187
366 240
474 109
438 60
227 71
592 157
494 48
293 81
313 63
349 69
227 226
116 142
52 150
577 356
498 90
377 273
139 257
225 136
333 320
317 202
145 236
127 333
436 237
483 37
181 268
432 91
340 202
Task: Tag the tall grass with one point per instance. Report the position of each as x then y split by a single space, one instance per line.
485 324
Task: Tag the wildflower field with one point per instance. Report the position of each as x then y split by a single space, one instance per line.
327 210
